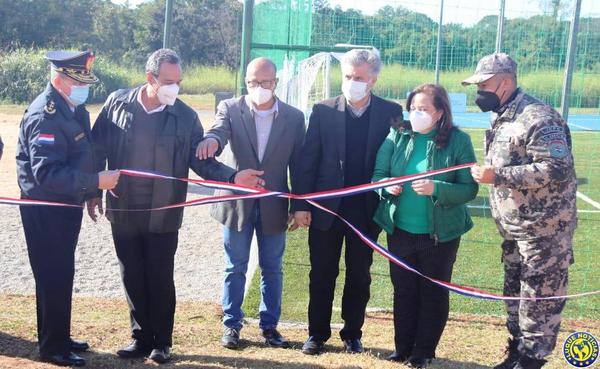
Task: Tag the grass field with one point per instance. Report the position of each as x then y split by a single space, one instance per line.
395 81
478 263
469 342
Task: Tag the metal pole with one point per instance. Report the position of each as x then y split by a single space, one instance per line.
438 51
571 52
328 76
500 29
246 43
167 33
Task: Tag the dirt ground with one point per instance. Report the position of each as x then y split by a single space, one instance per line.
10 118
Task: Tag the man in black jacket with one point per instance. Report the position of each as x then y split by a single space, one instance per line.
149 129
341 144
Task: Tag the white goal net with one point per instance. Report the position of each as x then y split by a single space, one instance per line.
305 82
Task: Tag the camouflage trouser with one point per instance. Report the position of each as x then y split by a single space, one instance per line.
536 268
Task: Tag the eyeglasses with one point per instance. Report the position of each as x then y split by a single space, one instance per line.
263 84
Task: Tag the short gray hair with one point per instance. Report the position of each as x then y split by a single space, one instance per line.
357 57
157 58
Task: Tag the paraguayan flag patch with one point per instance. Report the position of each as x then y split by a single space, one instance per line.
45 139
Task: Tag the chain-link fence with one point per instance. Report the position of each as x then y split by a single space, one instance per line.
535 33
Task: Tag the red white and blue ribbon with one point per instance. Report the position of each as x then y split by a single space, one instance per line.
254 193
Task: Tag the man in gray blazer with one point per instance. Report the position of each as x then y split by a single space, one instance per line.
266 134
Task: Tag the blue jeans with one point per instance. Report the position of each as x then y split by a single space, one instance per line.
270 257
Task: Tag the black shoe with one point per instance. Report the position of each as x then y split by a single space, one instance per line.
274 338
512 355
161 355
313 346
231 338
64 360
419 362
353 346
398 357
79 346
135 349
529 363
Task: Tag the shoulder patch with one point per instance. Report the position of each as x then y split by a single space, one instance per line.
558 149
50 107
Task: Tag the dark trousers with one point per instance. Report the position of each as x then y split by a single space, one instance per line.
147 262
420 307
51 234
325 251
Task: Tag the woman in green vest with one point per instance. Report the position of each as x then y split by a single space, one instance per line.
425 219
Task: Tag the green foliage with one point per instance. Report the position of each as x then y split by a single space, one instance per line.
24 73
204 31
409 38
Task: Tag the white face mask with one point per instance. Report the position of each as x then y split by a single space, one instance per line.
259 95
354 90
167 94
420 121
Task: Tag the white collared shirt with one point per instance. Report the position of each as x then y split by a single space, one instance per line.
139 100
358 112
264 122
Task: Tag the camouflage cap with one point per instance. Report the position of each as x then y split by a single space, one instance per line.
489 66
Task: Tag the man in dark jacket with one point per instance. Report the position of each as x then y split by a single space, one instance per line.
341 144
149 129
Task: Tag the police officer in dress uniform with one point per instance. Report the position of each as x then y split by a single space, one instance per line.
55 163
529 165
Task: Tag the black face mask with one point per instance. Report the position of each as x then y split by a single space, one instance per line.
487 100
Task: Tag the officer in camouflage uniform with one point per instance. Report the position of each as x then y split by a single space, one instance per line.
530 167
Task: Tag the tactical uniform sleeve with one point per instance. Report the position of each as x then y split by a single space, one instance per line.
48 148
548 145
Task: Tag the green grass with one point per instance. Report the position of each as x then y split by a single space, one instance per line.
478 262
395 81
204 80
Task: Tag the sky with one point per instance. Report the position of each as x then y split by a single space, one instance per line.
466 12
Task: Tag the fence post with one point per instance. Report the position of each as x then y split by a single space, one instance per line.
569 65
246 43
167 31
328 76
438 50
500 29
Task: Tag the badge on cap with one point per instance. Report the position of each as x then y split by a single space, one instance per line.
74 64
